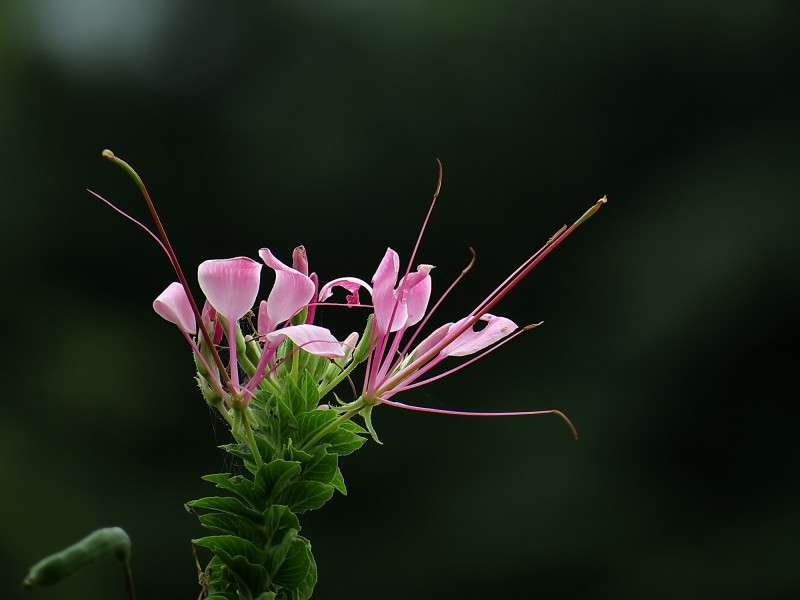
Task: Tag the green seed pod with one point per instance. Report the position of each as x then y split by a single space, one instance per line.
96 545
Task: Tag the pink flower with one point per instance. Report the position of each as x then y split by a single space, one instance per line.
291 293
400 305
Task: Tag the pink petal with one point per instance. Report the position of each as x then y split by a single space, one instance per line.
417 293
231 285
311 338
292 290
384 297
472 341
429 342
351 284
173 305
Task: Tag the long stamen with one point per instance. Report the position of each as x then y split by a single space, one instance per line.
385 357
108 154
459 413
132 220
487 305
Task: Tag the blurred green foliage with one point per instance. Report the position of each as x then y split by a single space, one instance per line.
670 317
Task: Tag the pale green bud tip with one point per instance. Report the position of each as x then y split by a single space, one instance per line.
108 154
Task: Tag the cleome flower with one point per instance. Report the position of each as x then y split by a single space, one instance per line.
395 360
400 310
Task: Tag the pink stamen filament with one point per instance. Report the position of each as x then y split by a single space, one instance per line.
384 356
485 306
412 381
459 413
233 365
167 247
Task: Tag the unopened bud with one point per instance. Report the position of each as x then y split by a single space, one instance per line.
362 350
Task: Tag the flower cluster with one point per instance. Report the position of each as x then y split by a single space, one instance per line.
284 334
400 310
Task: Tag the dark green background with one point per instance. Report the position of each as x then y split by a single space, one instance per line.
670 318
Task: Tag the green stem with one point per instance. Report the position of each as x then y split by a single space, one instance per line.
338 379
251 441
220 406
359 404
129 580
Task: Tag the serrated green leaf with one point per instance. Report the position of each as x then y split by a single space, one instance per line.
278 552
317 466
238 450
277 520
305 587
243 562
302 496
287 420
271 479
294 453
366 414
308 387
312 423
232 546
353 427
233 525
252 577
301 397
344 440
227 504
241 486
338 482
296 565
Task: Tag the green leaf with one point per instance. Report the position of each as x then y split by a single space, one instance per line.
237 484
228 505
306 495
305 590
238 450
338 482
286 419
366 414
317 466
345 439
243 560
278 552
232 546
296 565
308 386
233 525
301 398
264 596
312 423
272 479
277 520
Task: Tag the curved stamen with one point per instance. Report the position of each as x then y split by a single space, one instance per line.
459 413
162 234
